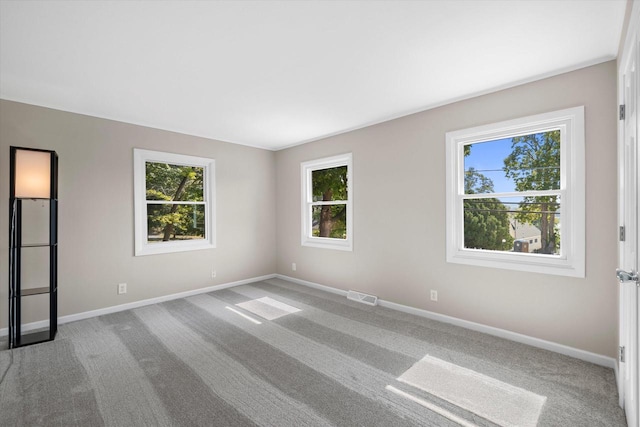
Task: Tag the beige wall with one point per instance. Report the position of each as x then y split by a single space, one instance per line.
399 214
96 209
399 218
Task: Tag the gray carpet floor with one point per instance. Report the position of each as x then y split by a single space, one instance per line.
193 362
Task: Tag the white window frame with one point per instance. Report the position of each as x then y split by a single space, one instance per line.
142 247
571 260
306 169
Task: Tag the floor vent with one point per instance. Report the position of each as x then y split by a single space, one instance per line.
363 298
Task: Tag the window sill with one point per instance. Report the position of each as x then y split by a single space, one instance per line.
171 247
544 264
327 243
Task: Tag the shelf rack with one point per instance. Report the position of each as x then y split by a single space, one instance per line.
17 292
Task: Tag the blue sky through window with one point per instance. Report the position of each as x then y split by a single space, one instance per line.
487 158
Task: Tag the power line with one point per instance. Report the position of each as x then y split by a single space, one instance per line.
472 169
510 211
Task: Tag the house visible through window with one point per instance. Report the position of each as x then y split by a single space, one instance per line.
326 207
515 194
174 202
526 165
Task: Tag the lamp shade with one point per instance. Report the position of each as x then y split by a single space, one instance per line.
32 174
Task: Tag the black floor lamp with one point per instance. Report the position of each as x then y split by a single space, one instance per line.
33 188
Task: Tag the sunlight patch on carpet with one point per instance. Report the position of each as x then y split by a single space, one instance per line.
268 308
430 406
257 322
494 400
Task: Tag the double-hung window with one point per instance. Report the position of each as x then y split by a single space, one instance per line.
515 194
174 202
326 203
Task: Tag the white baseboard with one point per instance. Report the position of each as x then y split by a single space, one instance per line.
128 306
313 285
595 358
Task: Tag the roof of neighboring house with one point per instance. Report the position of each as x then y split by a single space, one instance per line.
521 230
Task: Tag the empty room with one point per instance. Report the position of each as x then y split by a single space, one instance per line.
319 213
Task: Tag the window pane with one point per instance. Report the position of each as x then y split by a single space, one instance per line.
329 221
174 222
173 182
513 224
522 163
329 184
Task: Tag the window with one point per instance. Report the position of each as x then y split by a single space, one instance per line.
515 194
174 202
327 193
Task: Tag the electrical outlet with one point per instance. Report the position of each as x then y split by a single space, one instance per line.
122 288
213 274
293 266
434 295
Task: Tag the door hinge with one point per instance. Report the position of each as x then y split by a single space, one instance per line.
622 354
621 112
622 233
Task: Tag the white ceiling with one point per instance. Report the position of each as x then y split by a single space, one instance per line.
273 74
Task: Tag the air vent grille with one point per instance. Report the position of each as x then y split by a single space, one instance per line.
363 298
